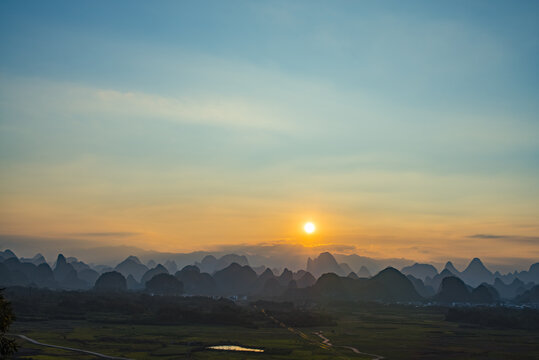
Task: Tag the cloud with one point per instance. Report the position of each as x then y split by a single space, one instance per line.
104 234
534 240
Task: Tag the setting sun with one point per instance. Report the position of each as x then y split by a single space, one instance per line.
309 228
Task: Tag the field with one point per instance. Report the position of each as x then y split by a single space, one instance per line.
394 332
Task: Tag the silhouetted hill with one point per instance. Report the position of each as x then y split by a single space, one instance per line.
484 294
306 280
111 282
285 278
133 284
436 281
235 279
171 266
352 275
449 266
476 273
324 263
517 287
529 296
345 268
159 269
389 285
364 272
211 264
195 282
164 284
66 275
36 260
452 289
420 271
422 289
132 266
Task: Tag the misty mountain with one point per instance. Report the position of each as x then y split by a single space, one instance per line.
422 289
388 285
132 266
436 281
235 279
476 273
148 275
373 265
211 264
66 275
323 264
36 260
345 268
449 266
363 272
420 271
352 275
111 282
306 280
164 284
452 289
529 296
195 282
510 291
171 266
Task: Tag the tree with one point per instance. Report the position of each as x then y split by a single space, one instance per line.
7 346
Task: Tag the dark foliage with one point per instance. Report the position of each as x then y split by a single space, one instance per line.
7 346
498 317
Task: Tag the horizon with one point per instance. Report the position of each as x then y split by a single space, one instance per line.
399 130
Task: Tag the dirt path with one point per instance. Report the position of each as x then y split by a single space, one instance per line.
327 342
71 349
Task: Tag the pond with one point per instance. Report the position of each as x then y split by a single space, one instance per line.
233 348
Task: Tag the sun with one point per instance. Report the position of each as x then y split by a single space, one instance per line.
309 228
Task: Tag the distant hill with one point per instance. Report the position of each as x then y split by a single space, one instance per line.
211 264
235 279
476 273
132 266
420 271
324 263
195 282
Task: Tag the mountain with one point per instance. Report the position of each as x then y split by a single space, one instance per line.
449 266
285 278
323 264
529 296
516 287
452 289
133 284
159 269
345 268
235 279
374 265
364 272
306 280
420 287
476 273
111 282
171 266
88 275
164 284
36 260
211 264
195 282
420 271
132 266
484 294
66 275
352 275
436 281
389 285
7 254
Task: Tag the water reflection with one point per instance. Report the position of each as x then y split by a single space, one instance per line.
233 348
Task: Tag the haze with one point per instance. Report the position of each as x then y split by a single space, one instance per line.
399 130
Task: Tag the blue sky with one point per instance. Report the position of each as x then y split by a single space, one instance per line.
397 126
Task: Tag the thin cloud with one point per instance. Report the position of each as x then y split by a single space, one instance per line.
509 238
105 234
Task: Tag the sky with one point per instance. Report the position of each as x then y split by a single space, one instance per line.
401 129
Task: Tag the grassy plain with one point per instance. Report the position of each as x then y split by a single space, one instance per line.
394 332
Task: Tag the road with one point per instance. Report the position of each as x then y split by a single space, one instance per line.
72 349
327 342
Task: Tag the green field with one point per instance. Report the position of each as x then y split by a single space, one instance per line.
391 331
